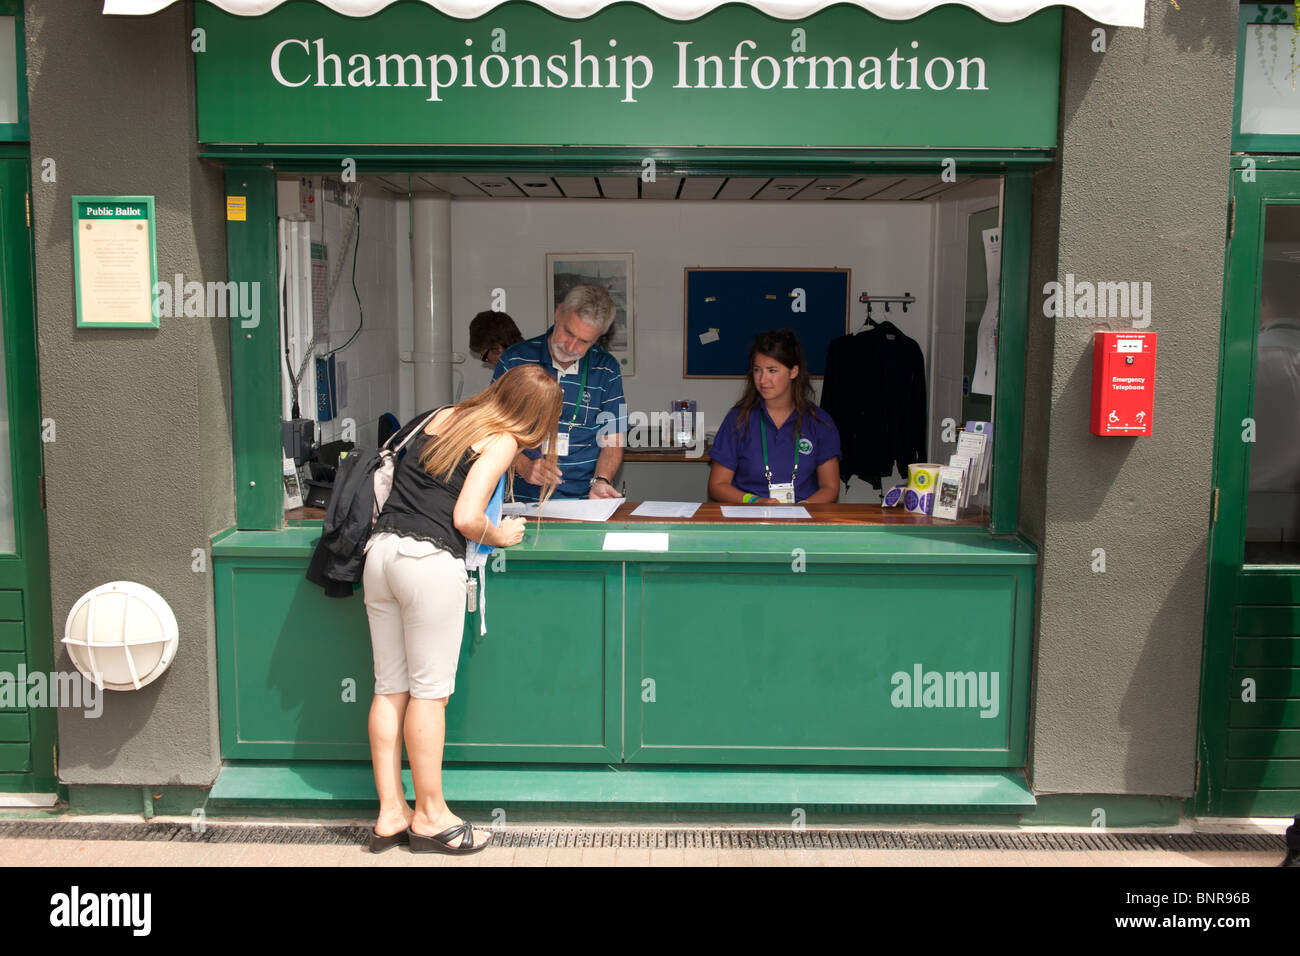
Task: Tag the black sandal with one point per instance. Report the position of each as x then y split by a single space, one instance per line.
442 842
378 844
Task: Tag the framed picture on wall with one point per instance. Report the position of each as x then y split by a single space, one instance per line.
614 271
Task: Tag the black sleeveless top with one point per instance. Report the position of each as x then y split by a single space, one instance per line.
420 505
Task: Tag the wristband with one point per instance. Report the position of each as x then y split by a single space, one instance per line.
602 478
748 498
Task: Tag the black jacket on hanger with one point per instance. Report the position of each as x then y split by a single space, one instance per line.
875 391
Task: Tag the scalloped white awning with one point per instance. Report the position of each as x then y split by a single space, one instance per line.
1120 13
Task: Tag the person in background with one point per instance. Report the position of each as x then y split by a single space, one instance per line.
594 418
490 334
415 587
754 453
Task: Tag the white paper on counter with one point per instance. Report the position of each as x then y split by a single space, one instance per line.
636 541
666 509
765 511
572 509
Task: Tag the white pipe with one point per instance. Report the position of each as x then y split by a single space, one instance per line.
286 384
431 299
298 337
306 320
296 343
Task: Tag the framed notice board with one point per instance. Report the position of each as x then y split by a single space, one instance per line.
726 308
115 262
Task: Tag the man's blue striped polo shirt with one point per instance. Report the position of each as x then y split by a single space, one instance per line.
602 410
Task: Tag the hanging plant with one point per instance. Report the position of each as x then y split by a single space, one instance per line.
1295 30
1268 19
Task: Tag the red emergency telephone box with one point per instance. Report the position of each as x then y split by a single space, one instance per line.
1123 382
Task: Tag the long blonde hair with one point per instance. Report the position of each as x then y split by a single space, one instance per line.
525 403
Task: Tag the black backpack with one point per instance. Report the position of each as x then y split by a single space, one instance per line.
363 477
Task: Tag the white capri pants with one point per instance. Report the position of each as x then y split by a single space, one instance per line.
415 600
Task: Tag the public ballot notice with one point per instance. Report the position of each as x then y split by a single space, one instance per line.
115 274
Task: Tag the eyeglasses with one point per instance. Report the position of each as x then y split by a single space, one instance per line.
483 357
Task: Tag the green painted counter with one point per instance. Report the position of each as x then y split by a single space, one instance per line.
786 645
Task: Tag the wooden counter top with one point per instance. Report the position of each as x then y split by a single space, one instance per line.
663 454
839 514
711 513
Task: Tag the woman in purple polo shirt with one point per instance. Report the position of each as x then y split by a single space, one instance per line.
754 460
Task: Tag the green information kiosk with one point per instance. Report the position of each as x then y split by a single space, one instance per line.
856 659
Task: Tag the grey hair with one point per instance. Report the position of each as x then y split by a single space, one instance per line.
592 304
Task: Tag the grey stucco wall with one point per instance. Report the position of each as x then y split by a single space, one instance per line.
140 473
1139 193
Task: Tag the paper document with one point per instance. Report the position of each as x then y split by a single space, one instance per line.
985 429
635 541
973 445
986 350
765 511
571 509
666 509
476 554
113 259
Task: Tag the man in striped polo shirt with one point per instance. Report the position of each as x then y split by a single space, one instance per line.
593 421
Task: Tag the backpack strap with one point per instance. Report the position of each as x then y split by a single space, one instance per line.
411 434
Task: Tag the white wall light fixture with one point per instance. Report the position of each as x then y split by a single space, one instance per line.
121 635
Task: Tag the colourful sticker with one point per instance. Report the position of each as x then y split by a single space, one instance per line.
805 446
921 479
910 500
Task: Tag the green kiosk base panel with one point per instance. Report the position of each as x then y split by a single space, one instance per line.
309 783
870 649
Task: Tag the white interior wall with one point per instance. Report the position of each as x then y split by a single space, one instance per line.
503 244
370 364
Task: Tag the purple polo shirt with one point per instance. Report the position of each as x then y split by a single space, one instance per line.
819 442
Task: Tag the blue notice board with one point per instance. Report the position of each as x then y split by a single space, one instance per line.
728 307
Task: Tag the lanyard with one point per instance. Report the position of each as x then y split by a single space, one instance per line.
582 388
767 469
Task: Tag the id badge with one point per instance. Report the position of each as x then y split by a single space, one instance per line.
783 492
562 444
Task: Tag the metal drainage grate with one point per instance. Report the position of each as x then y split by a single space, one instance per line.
527 837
